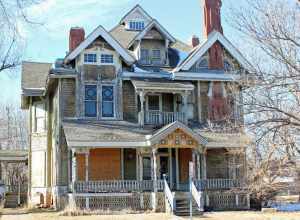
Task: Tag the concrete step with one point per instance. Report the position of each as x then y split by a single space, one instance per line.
183 207
11 201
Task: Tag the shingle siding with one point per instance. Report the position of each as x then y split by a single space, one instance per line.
130 110
69 97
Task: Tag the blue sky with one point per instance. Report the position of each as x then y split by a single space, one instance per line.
45 43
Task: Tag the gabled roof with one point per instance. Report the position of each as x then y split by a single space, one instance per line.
100 31
200 50
166 130
159 27
34 75
122 35
136 8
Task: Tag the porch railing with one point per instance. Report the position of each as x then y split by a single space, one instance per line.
198 196
218 184
169 196
117 186
163 118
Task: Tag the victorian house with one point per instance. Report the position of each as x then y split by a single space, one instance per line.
131 117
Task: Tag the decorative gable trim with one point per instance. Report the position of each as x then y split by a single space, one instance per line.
151 25
100 31
137 8
203 48
163 132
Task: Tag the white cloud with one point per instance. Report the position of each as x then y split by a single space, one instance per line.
59 15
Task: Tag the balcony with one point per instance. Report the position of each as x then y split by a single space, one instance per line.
163 118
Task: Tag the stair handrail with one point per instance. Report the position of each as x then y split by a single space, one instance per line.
198 196
168 194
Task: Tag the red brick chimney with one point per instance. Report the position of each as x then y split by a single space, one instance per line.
76 36
195 41
212 21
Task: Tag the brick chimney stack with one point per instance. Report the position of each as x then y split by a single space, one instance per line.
195 41
212 21
76 36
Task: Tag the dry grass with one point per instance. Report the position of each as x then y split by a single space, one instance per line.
155 216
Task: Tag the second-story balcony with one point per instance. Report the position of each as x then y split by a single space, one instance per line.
163 118
162 102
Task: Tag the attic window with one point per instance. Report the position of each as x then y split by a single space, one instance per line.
107 58
90 58
136 25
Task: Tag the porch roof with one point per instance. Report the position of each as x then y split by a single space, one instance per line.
162 85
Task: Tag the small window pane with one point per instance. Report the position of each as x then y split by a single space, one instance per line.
156 57
107 93
136 25
90 58
108 109
146 168
91 92
145 56
107 101
153 103
107 58
90 109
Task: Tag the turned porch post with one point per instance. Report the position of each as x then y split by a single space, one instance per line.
142 113
204 171
154 177
74 170
185 106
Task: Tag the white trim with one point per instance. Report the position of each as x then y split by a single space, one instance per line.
141 10
152 24
99 144
202 49
206 76
100 31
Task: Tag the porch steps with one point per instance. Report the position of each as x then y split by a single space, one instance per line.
11 201
183 205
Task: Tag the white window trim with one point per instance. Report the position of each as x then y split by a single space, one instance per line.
114 102
136 21
92 63
106 64
34 126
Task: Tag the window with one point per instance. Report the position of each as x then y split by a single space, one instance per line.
146 168
107 58
153 103
108 101
136 25
90 101
39 118
228 65
156 56
145 56
90 58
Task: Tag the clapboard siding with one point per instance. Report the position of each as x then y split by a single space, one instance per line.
130 110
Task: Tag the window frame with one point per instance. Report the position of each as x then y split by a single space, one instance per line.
96 100
106 63
145 60
87 54
113 102
155 59
136 25
35 118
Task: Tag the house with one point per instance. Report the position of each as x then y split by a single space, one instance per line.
127 106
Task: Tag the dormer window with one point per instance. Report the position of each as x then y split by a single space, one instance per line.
107 59
156 56
136 25
90 58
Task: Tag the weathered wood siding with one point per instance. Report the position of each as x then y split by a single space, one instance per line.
68 97
130 110
130 164
204 100
217 164
185 156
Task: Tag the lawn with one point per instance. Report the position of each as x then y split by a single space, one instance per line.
14 215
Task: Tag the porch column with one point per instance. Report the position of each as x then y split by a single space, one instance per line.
198 166
74 169
170 168
204 173
194 153
177 168
87 154
142 113
185 106
154 177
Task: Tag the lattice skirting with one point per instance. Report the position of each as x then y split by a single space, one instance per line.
226 201
133 202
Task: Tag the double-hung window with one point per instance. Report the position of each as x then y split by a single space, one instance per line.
107 58
108 101
145 59
90 58
39 118
156 56
90 101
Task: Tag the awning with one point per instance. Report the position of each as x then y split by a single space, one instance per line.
162 85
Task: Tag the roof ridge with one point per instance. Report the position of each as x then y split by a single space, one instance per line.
26 61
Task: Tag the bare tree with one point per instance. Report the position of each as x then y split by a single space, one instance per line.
271 104
12 12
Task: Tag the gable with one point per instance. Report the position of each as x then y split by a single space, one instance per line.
137 14
101 32
214 37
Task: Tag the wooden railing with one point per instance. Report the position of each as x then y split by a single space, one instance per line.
169 196
197 196
117 186
218 184
163 118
